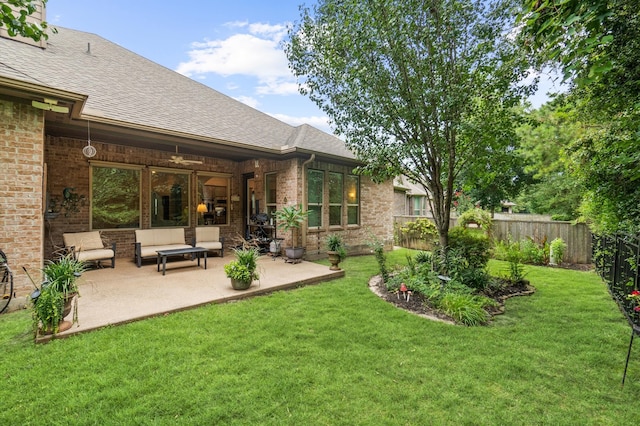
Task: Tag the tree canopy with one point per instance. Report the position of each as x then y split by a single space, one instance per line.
13 16
597 42
418 88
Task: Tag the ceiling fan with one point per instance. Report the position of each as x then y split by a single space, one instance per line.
177 159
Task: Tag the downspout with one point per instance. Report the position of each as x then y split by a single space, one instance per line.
304 198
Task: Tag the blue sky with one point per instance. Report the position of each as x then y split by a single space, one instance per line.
232 46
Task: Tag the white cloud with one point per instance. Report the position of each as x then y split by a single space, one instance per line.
255 52
277 86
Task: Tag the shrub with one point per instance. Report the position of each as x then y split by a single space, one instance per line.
533 253
377 247
557 250
479 216
476 278
514 257
471 245
421 228
464 308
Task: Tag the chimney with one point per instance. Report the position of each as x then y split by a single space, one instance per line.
36 17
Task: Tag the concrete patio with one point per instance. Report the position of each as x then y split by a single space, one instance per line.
127 293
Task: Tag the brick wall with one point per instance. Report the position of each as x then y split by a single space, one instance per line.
21 204
67 167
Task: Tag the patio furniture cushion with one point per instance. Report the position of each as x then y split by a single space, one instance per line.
88 247
149 241
209 237
83 241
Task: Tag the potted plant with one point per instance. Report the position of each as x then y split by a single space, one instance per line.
335 250
291 218
62 276
242 270
48 310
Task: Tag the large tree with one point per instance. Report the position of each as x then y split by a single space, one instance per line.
420 88
14 14
597 42
545 137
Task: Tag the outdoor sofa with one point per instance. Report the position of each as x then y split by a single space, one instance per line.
88 247
150 241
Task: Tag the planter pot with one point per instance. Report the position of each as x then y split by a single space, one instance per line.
240 285
294 254
62 326
334 258
68 303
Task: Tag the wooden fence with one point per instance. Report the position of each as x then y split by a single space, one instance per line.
519 227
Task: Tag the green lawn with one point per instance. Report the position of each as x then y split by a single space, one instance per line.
334 353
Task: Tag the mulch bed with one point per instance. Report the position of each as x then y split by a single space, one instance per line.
419 305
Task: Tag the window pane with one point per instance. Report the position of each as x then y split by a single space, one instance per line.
353 200
353 192
352 215
213 192
417 204
315 216
335 215
315 178
169 199
335 188
270 187
115 199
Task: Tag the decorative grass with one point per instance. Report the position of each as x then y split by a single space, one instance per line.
332 354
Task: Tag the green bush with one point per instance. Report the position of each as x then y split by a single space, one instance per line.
478 216
421 228
534 253
557 249
464 308
514 257
473 246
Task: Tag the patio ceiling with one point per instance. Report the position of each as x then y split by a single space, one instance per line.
62 126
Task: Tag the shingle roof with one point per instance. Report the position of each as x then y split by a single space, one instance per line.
128 88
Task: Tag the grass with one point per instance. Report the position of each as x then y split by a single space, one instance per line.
333 354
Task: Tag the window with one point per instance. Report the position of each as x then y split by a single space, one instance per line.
213 199
353 200
115 196
315 193
419 205
336 194
169 198
270 182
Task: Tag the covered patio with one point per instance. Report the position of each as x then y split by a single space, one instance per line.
128 293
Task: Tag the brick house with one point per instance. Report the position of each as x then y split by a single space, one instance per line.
169 152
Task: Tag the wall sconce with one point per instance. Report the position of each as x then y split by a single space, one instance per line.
256 163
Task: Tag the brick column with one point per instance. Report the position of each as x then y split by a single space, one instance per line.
21 194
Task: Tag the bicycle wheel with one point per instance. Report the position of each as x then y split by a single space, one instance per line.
6 283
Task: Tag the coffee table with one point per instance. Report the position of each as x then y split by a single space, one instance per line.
198 251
